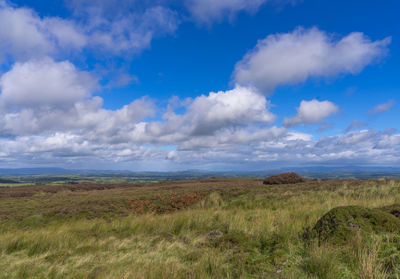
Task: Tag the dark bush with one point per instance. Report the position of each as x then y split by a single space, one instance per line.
284 178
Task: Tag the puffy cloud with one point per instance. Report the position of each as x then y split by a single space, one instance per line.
311 112
25 35
218 110
291 58
385 107
45 83
66 149
67 32
44 96
233 107
207 11
85 117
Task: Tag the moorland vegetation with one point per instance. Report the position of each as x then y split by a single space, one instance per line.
208 228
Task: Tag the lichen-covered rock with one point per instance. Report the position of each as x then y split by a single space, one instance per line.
341 223
284 178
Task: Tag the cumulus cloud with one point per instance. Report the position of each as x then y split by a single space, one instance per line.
44 96
311 112
209 113
294 57
25 35
385 107
45 83
233 107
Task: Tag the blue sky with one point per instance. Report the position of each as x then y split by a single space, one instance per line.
199 84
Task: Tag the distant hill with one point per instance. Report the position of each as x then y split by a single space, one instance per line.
50 171
8 181
312 172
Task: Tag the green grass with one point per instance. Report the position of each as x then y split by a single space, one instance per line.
263 232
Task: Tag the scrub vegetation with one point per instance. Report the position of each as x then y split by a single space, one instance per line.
208 228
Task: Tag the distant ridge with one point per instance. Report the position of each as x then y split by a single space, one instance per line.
53 171
312 172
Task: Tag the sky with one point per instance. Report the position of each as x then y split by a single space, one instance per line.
214 85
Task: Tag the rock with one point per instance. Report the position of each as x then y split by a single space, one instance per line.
213 235
340 223
284 178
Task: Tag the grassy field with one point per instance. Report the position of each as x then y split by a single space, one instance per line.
211 228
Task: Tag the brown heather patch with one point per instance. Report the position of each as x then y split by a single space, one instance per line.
284 178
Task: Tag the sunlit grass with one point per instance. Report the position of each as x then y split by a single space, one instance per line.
262 237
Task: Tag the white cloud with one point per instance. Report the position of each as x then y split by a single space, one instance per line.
124 28
359 147
45 83
44 96
25 35
66 32
225 139
233 107
208 114
291 58
207 11
385 107
311 112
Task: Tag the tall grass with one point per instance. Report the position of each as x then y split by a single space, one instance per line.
262 237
